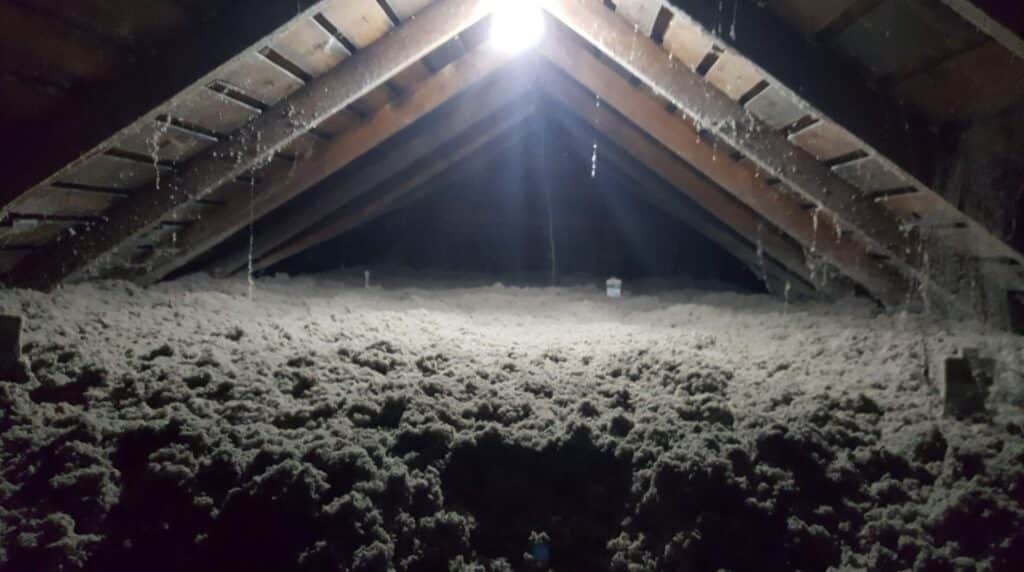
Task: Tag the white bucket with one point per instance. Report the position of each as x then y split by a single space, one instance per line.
614 286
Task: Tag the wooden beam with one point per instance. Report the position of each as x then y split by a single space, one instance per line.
1001 21
462 114
471 166
665 197
265 136
667 166
274 192
817 234
727 119
92 122
401 185
831 86
326 160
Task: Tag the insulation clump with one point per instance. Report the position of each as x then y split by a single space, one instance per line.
492 429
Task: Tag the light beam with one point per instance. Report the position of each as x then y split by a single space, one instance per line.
516 26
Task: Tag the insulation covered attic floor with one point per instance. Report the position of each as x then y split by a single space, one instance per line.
449 425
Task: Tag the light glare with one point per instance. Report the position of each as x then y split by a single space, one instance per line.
516 26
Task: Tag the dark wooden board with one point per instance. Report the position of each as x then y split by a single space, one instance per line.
362 22
232 189
309 46
191 212
734 75
130 22
10 258
54 201
31 233
37 46
89 123
829 83
900 37
110 172
924 208
445 54
686 41
302 147
213 111
640 13
810 17
407 79
825 140
775 108
22 99
978 82
871 175
406 9
170 143
256 76
372 102
339 123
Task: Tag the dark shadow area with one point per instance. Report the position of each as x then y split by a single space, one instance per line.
530 221
573 492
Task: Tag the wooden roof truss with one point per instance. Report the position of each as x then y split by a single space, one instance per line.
796 162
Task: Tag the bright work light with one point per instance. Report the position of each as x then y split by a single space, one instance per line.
516 26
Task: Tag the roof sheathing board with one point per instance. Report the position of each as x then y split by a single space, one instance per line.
101 122
736 75
753 105
362 22
406 9
397 51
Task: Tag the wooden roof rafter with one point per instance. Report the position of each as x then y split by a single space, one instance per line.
756 116
983 14
638 173
514 83
823 85
95 124
741 180
346 148
259 141
425 173
429 176
880 144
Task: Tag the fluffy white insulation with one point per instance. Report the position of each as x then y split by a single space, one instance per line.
324 426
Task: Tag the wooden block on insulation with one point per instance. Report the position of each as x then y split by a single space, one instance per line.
12 368
1015 302
10 338
966 385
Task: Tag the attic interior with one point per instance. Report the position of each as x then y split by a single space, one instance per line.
512 285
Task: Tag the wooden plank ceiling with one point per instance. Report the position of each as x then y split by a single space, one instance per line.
806 163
